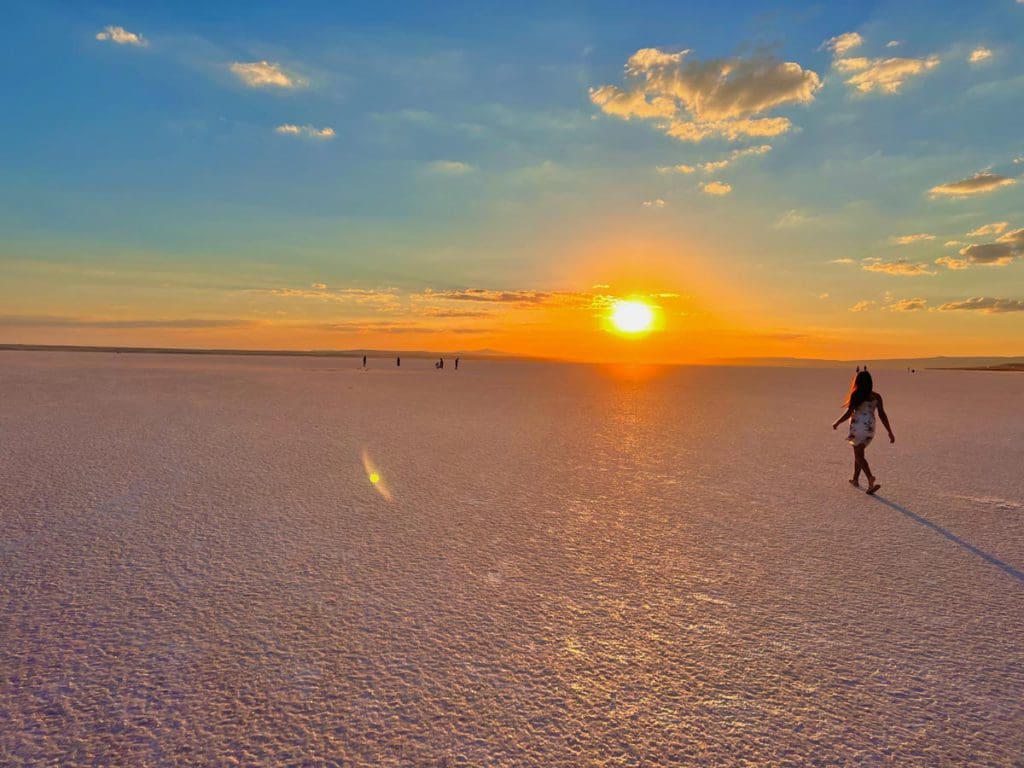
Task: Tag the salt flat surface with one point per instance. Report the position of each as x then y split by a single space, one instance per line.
578 566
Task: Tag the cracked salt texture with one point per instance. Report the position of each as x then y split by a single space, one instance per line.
577 566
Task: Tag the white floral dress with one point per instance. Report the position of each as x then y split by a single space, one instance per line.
862 423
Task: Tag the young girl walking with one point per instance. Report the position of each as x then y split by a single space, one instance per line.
861 405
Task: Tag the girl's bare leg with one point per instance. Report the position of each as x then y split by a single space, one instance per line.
856 470
872 483
858 452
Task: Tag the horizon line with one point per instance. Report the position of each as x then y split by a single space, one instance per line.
483 354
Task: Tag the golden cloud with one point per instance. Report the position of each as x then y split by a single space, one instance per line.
736 154
320 292
260 74
693 100
950 263
990 254
1014 238
898 267
629 104
676 169
716 188
841 44
979 55
50 321
908 239
1006 248
973 185
986 304
995 228
908 305
883 75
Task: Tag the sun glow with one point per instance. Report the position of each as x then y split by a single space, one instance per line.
632 316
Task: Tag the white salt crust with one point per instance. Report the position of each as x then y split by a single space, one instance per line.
577 567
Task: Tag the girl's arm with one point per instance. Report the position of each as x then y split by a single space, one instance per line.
885 419
844 417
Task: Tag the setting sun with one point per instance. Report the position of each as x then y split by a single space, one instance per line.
632 316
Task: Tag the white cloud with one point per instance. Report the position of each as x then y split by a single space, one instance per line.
882 75
260 74
894 44
908 239
656 203
793 218
450 167
843 43
842 261
122 36
973 185
952 243
692 100
995 228
716 188
861 306
289 129
979 55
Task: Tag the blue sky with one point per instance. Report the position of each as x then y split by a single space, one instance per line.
408 150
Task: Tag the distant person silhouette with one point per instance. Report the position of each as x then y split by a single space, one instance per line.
861 404
456 363
398 362
364 361
439 364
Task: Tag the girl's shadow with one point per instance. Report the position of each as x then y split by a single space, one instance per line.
1005 567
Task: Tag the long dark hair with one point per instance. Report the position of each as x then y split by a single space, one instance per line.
860 389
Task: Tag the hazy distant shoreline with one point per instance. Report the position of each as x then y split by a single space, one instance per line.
1004 367
251 352
964 363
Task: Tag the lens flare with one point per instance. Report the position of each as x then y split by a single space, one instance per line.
630 316
374 476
